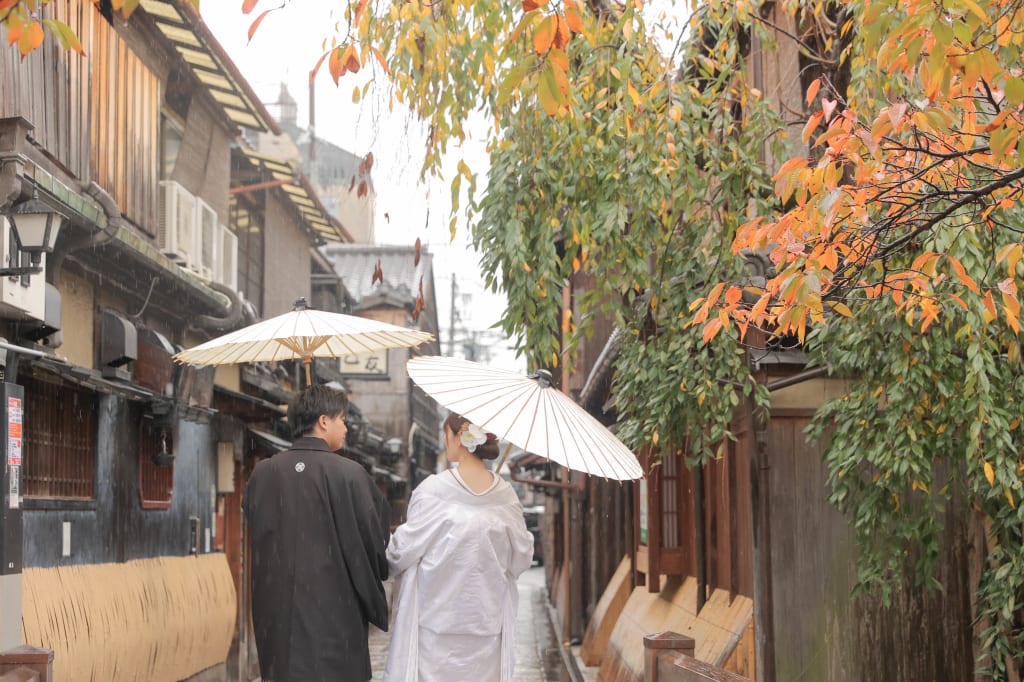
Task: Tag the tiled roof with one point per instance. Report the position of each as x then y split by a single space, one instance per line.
356 262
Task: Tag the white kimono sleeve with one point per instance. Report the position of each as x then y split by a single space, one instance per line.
409 543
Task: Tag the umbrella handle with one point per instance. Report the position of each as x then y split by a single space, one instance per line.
504 456
306 361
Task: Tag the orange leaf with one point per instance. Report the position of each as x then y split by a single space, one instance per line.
990 307
573 17
380 59
30 38
961 273
248 6
351 58
812 125
990 474
545 34
559 60
256 24
812 90
562 32
530 5
711 329
335 65
360 8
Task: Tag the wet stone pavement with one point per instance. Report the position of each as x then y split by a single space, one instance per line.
538 658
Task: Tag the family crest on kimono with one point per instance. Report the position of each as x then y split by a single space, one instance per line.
319 531
455 562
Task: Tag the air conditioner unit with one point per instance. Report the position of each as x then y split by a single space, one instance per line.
204 261
176 231
227 273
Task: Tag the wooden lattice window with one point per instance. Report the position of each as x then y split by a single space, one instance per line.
156 465
59 440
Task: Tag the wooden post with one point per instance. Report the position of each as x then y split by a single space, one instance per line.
667 642
38 662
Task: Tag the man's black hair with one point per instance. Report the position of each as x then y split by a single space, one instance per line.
306 408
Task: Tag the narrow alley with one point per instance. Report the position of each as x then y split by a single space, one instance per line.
537 653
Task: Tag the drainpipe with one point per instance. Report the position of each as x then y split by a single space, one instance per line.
220 324
764 626
56 259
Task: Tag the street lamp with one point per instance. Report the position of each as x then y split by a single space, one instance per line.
34 226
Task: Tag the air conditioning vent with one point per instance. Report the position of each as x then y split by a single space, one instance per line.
204 262
176 231
228 258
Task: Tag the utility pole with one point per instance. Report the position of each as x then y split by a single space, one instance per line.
451 322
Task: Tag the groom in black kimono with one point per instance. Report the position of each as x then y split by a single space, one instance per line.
319 530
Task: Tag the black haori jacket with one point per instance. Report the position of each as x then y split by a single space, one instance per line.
319 530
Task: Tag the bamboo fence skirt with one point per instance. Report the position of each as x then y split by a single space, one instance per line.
148 620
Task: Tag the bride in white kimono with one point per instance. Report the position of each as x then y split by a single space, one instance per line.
455 562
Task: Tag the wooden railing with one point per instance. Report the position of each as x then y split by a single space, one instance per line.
668 657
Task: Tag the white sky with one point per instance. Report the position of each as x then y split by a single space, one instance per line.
284 49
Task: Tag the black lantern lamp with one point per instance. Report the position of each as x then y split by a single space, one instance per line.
34 226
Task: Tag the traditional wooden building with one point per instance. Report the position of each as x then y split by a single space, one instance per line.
124 547
744 553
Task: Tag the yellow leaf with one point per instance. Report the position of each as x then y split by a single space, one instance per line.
976 10
841 308
548 93
990 474
633 94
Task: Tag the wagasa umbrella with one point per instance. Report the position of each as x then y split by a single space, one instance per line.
302 334
527 411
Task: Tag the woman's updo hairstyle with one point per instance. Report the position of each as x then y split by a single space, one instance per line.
457 424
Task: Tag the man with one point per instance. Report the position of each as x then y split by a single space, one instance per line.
319 531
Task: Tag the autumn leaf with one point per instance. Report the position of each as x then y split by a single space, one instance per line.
530 5
65 35
812 90
30 38
562 32
416 252
572 16
366 164
990 474
544 35
335 65
248 6
350 58
259 20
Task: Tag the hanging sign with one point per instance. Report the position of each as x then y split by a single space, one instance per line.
14 431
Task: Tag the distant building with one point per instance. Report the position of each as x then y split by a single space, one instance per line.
384 392
346 192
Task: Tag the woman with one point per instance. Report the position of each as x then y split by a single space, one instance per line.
455 562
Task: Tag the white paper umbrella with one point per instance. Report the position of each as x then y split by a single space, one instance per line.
302 334
526 411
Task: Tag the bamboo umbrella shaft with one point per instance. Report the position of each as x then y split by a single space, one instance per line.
505 455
